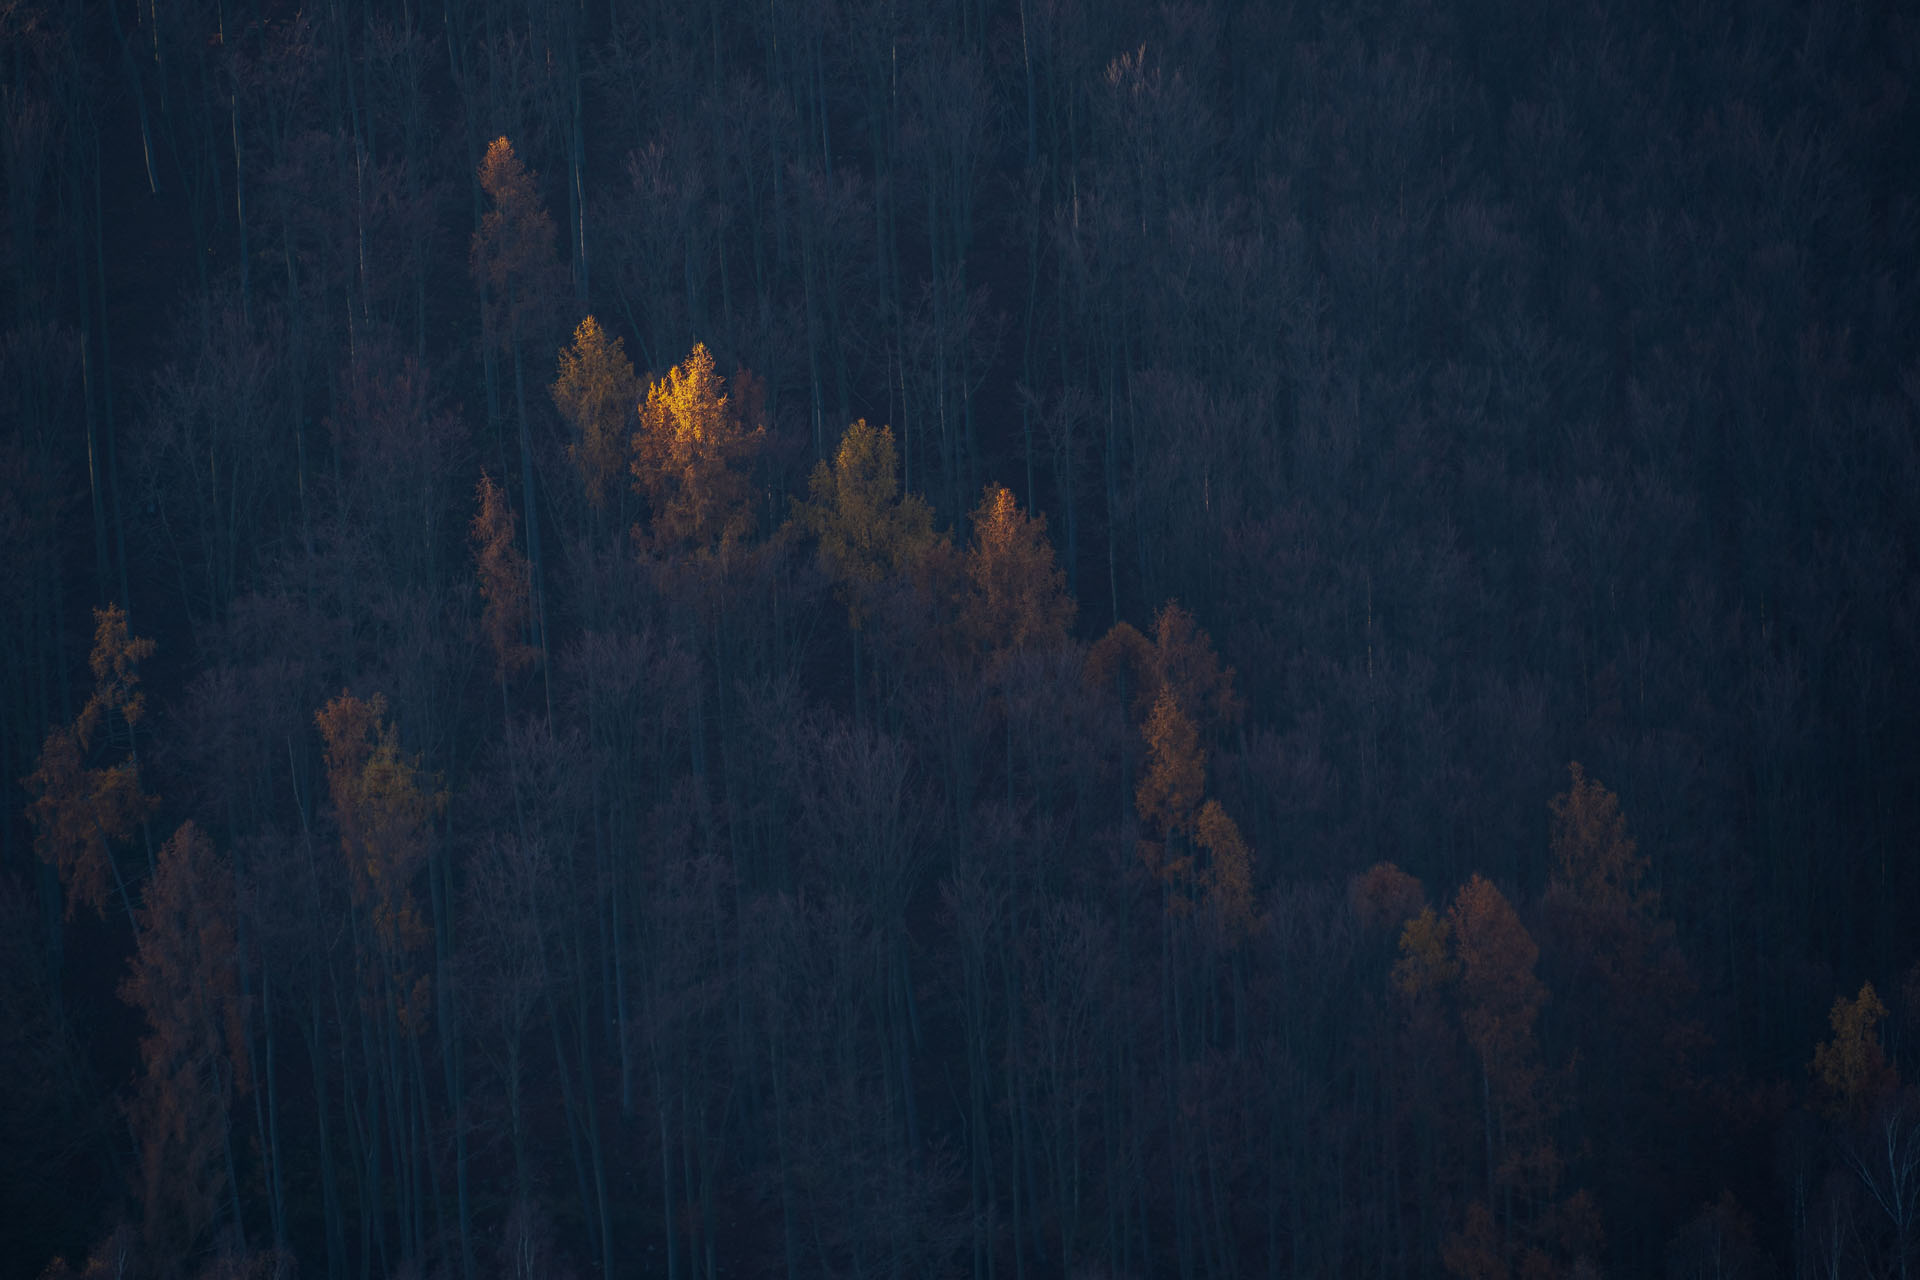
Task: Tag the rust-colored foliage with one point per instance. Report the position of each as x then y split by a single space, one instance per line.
512 252
504 579
1174 673
1604 924
692 453
115 662
867 529
596 393
1176 773
1229 879
1593 856
1383 896
1483 957
81 810
1185 662
382 810
1500 996
1180 657
1124 659
1851 1071
1016 595
185 979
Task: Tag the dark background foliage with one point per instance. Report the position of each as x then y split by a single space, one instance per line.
1495 385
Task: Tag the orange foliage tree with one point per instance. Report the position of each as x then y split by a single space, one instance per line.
512 252
596 393
1016 596
1180 656
1500 997
1593 856
512 260
1851 1071
1178 672
81 810
691 454
184 978
503 579
1482 957
1613 957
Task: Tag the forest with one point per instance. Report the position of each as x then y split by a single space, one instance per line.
1002 639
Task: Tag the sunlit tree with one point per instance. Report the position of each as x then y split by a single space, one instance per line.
596 393
692 453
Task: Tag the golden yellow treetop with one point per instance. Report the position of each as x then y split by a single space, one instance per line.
691 454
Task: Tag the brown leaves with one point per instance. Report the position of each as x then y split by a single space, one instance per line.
1593 856
504 579
1180 657
1016 596
512 256
1171 796
1176 773
383 812
1229 889
691 454
185 979
1480 958
115 663
1184 661
1851 1070
1500 996
1384 896
81 811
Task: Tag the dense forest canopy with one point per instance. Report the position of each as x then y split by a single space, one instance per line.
972 637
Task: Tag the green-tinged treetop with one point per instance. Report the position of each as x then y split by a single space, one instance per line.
596 393
867 529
